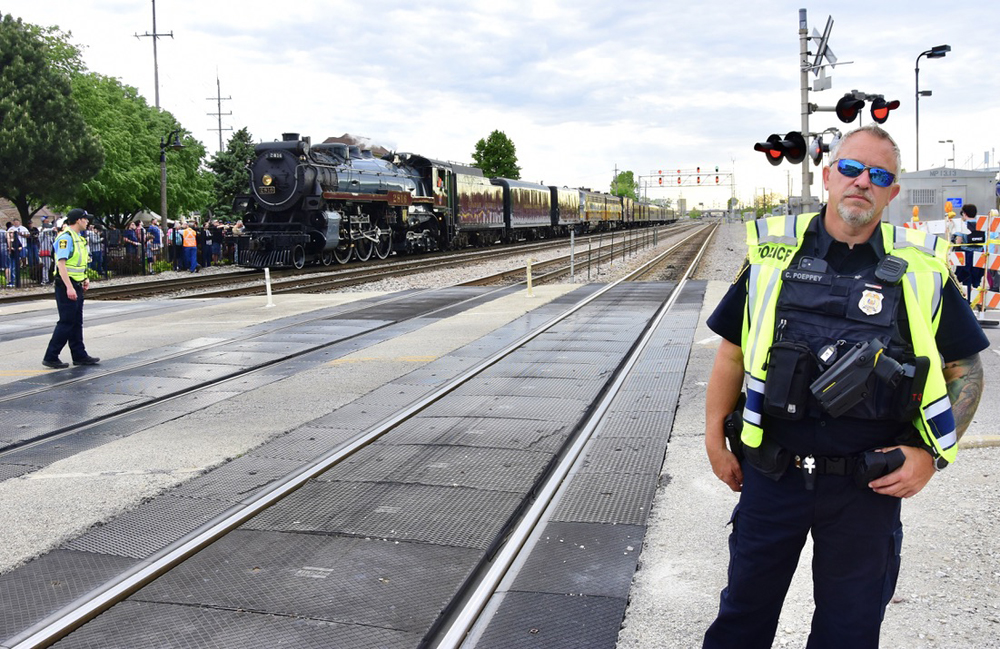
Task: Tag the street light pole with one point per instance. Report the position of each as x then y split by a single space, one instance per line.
175 145
934 53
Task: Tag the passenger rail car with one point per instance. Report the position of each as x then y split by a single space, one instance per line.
330 203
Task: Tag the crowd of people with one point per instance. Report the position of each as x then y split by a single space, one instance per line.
26 250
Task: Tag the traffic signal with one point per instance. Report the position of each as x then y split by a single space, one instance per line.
881 108
791 147
849 107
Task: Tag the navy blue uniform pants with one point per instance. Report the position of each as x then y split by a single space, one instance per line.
69 329
857 536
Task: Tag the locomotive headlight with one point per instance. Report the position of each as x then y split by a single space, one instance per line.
267 180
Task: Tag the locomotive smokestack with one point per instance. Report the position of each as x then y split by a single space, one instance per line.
289 137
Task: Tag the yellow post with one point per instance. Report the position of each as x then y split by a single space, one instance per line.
530 294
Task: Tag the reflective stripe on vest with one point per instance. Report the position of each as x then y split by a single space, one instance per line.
190 238
770 253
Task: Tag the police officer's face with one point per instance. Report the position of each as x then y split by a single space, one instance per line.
858 201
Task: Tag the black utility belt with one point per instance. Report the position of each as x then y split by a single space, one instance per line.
797 380
773 460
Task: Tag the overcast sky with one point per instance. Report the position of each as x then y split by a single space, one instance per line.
580 86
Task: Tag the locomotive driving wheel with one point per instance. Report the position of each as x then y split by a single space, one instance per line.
384 245
363 248
342 253
326 258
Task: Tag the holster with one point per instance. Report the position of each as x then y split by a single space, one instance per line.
770 459
732 426
872 465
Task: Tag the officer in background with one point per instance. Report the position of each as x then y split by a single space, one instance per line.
838 324
72 258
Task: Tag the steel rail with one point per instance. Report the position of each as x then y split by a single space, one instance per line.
548 495
64 620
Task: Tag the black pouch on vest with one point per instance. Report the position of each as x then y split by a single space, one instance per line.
790 369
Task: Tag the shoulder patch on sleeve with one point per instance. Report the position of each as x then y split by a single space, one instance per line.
63 243
743 269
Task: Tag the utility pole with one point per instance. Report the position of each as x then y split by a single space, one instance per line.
156 69
219 99
804 66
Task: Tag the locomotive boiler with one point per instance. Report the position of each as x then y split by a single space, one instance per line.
333 202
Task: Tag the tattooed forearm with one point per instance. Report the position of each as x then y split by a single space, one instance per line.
964 379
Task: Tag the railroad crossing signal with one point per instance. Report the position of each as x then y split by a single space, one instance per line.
792 147
851 105
881 108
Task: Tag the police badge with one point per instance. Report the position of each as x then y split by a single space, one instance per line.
871 302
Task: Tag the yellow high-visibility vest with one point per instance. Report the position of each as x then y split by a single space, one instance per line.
772 244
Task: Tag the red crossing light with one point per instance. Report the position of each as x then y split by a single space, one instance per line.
881 108
848 108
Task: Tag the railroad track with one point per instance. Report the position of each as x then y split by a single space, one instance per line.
322 279
482 575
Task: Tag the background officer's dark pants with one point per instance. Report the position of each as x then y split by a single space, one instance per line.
69 329
857 536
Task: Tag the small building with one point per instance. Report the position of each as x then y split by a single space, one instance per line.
929 189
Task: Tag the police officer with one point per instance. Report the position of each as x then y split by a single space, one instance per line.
835 294
72 257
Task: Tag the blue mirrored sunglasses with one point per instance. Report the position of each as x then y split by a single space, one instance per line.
853 169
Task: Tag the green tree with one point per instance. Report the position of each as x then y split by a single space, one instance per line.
230 167
497 156
624 185
130 131
46 148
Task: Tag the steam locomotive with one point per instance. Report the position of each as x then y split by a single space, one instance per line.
329 203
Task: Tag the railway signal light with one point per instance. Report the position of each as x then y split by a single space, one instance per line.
661 180
816 150
881 108
772 149
849 107
791 147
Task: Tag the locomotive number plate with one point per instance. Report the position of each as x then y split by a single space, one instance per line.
265 190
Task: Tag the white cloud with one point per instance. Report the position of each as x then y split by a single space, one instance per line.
580 86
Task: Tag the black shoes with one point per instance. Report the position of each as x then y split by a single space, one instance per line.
55 365
90 360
